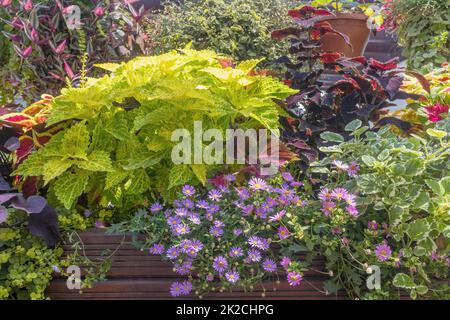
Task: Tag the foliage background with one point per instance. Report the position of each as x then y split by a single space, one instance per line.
242 33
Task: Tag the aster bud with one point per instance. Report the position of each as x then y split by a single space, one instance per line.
99 11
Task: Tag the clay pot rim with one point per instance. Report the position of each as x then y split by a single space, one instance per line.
349 16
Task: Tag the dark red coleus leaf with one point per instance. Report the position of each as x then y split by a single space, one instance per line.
324 27
383 66
283 33
226 63
329 57
308 10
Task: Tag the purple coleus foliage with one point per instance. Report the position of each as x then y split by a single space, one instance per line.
42 218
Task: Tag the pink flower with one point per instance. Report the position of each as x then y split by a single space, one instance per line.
434 111
28 5
325 194
383 252
99 11
61 47
339 193
5 3
283 232
353 169
327 206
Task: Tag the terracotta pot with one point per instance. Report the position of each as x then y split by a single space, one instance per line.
355 27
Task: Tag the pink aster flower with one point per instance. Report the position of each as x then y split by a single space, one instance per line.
339 194
278 216
294 278
327 206
353 169
325 194
285 262
340 165
282 232
352 211
383 252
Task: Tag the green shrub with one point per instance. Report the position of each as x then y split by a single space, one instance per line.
423 29
402 227
117 145
238 28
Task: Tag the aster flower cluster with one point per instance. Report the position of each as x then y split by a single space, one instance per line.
336 201
225 236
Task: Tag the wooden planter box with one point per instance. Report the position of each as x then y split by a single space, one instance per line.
135 274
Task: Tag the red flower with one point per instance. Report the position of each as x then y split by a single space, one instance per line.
434 111
330 57
383 66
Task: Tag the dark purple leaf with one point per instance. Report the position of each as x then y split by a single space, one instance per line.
365 112
4 197
3 214
4 185
33 204
12 144
45 225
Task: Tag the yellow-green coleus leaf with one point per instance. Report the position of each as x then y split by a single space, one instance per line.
97 160
69 186
75 142
54 168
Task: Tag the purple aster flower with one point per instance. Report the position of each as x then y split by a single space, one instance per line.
194 218
168 213
223 188
286 191
339 194
197 245
210 277
213 208
172 253
383 252
372 225
184 268
353 169
257 184
282 232
232 276
220 264
278 216
247 210
173 221
218 224
258 242
209 216
202 204
269 265
283 200
230 177
242 193
185 245
434 256
261 212
182 229
237 232
352 211
181 212
296 184
325 194
294 278
188 190
254 255
176 289
156 207
156 249
236 252
216 232
287 176
186 287
178 203
188 203
214 195
285 262
327 206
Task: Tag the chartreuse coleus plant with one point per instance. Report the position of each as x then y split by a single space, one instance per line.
402 224
116 147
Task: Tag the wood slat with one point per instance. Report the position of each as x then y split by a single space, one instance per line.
137 275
